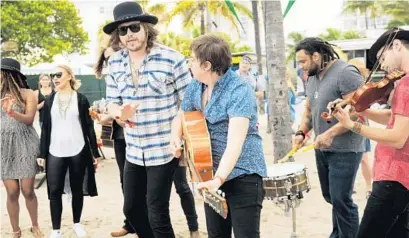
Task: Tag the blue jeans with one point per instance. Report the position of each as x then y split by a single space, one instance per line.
336 172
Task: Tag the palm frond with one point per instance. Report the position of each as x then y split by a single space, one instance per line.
181 7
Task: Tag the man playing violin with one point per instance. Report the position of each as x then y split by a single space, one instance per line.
387 210
338 151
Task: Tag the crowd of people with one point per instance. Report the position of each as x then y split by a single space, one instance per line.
150 86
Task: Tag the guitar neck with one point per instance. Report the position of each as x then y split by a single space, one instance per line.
194 173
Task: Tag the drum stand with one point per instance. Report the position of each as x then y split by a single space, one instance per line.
291 201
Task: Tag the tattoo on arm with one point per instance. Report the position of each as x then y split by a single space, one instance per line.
306 122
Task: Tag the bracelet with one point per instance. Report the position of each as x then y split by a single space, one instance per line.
220 178
357 128
300 133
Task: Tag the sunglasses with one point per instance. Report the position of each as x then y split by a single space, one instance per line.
135 28
56 75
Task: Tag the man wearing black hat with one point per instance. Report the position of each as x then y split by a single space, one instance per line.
387 210
145 84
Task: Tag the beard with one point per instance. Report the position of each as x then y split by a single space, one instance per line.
135 45
313 70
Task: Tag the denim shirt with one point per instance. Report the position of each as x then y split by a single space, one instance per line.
231 97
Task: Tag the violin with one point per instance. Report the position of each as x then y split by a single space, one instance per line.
368 94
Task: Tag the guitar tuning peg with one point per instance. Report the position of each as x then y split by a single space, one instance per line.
223 195
219 192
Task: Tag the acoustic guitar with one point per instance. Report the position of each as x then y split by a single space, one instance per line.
106 129
198 154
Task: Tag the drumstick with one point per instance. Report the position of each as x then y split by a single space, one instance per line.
289 155
294 150
308 148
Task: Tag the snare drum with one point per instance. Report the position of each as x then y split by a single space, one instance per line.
285 179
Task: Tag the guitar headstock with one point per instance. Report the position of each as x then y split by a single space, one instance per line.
216 201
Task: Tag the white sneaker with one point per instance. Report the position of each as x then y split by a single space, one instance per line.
79 230
56 234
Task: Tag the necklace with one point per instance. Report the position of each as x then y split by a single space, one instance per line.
318 78
63 105
316 88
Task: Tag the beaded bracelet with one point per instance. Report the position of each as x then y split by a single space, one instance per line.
357 128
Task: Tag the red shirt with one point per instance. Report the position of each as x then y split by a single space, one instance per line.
390 163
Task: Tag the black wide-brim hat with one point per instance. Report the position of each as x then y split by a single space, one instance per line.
126 12
385 39
12 65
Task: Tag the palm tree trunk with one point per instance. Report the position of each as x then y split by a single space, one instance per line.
277 88
374 22
208 20
366 19
254 5
202 19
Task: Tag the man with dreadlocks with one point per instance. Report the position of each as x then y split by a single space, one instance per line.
338 151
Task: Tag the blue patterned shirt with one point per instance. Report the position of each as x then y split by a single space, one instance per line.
231 97
163 78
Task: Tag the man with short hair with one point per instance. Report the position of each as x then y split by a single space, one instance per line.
145 85
229 106
387 209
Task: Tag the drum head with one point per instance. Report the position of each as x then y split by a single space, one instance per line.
279 170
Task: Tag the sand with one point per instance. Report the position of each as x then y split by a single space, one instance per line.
103 214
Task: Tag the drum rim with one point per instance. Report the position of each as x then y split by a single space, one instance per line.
299 172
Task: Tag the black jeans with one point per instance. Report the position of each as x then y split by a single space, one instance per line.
244 196
56 171
387 212
186 197
120 156
147 194
336 172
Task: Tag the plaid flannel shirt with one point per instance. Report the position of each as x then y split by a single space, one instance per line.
163 78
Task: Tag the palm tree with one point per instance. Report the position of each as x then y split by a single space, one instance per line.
177 42
397 23
254 6
294 38
399 12
277 87
182 43
191 9
158 9
364 7
332 34
352 34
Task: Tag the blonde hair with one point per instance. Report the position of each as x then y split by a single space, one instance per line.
288 79
74 83
360 64
40 77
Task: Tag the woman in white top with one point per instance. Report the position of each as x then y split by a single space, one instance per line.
68 142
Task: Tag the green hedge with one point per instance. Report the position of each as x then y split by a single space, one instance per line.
91 87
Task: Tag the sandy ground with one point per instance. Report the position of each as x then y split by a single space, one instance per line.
103 214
